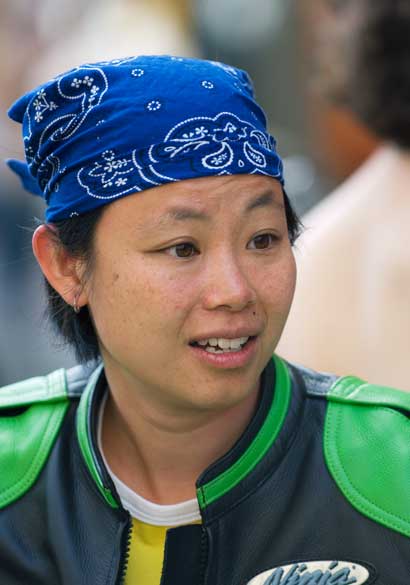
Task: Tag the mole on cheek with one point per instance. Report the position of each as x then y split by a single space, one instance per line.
115 277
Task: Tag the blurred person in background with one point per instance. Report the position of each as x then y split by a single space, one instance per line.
181 448
338 141
351 312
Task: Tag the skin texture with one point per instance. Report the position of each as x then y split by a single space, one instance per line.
200 258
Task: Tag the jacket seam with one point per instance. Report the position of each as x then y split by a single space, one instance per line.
266 476
25 482
379 514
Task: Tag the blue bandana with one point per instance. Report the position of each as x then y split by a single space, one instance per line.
106 130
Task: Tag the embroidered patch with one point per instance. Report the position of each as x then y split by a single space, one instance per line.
315 573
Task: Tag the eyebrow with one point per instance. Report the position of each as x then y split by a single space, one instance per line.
264 200
184 213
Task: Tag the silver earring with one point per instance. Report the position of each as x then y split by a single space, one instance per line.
75 305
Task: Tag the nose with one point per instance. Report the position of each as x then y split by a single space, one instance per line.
227 285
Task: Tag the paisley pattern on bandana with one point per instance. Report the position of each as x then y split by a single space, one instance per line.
50 167
223 145
110 173
85 88
226 128
56 118
104 130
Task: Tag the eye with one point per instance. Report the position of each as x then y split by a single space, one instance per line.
262 242
183 250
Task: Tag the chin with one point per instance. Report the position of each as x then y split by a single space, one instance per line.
224 396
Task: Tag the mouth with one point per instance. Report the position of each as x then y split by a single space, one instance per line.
222 345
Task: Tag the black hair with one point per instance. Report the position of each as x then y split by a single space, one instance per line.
294 222
76 236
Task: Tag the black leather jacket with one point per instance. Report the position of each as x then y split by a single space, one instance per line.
313 493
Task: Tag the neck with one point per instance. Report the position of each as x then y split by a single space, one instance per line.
160 454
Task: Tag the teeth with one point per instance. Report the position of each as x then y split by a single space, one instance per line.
233 344
214 345
211 349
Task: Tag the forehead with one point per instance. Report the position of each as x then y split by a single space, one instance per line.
196 198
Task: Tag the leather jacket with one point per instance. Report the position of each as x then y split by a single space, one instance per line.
315 492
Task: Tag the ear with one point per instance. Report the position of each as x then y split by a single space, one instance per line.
63 271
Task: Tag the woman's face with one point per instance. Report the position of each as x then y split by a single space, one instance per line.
191 288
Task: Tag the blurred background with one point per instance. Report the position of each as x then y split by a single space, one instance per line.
276 41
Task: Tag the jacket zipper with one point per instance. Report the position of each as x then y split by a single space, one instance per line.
204 556
126 554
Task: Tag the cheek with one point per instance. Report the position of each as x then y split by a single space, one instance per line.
138 293
277 286
289 284
169 291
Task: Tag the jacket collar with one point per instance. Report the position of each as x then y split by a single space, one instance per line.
229 478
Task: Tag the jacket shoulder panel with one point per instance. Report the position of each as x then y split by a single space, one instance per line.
31 414
316 384
367 449
51 388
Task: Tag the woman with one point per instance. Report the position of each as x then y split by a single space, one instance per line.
181 448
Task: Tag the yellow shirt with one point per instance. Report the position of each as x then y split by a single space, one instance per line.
146 554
